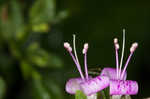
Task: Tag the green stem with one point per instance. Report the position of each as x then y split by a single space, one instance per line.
103 94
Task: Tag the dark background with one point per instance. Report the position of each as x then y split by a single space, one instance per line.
33 62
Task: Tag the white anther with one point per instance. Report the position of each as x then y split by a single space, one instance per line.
66 45
117 46
133 47
86 46
69 49
115 40
84 51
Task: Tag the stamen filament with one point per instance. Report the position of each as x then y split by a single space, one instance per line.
85 59
132 49
78 66
123 46
85 66
125 67
117 64
74 46
117 60
76 57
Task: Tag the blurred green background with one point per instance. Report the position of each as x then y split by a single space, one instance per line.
33 62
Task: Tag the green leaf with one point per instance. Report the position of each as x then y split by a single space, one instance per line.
37 55
26 69
40 28
12 26
42 11
41 57
53 87
39 91
61 15
80 95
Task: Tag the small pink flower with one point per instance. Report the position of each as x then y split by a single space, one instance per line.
118 83
86 84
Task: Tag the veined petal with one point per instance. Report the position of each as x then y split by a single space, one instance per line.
94 85
111 73
73 85
123 87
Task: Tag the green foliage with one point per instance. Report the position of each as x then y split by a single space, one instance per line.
79 95
42 58
39 91
12 22
28 60
42 11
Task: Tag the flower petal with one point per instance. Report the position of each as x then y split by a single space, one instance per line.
123 87
73 85
94 85
111 73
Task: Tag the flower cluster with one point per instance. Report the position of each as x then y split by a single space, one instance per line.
114 78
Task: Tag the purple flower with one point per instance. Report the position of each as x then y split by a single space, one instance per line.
88 85
118 83
123 87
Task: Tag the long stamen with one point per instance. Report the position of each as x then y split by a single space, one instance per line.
123 46
78 66
117 60
85 59
132 49
69 49
74 46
